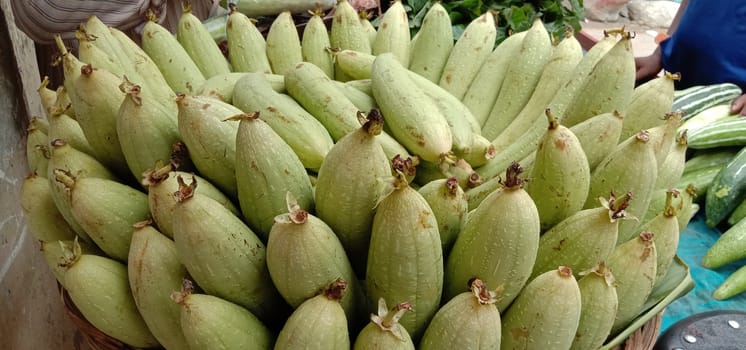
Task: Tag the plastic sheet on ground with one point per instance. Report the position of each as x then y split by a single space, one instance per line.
693 244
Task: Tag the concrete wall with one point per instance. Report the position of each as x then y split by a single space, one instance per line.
31 313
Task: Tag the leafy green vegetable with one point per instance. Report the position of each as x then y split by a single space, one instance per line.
512 15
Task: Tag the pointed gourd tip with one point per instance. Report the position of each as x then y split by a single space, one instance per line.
373 122
643 135
187 288
512 179
646 237
405 167
179 155
451 185
70 255
553 121
142 224
86 70
565 271
336 290
480 291
185 191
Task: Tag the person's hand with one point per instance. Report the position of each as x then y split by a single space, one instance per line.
738 106
648 66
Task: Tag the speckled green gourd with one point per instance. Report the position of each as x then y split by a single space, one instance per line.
598 305
304 254
247 47
448 202
499 242
315 42
393 33
99 288
106 210
37 147
223 255
560 175
45 221
633 264
405 259
469 320
583 239
154 272
429 55
384 332
283 44
545 315
665 229
319 323
345 195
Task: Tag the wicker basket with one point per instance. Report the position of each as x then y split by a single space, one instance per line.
642 339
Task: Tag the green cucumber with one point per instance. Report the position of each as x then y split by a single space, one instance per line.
728 189
738 214
730 131
697 100
733 285
729 247
707 117
701 159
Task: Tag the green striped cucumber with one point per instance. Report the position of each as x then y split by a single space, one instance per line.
211 140
521 77
79 164
696 101
580 73
728 189
729 247
429 55
315 42
384 332
209 322
319 323
393 33
283 44
631 167
99 288
554 74
44 220
37 148
163 182
484 88
300 244
633 264
448 202
405 259
733 285
583 239
665 228
222 86
701 159
545 315
598 305
266 170
154 272
198 43
106 210
468 54
346 194
346 32
560 176
708 116
305 135
181 73
414 120
147 130
672 168
99 100
247 47
319 95
722 133
469 320
223 255
499 242
649 102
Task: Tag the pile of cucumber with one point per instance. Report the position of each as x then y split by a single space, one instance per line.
716 165
355 187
